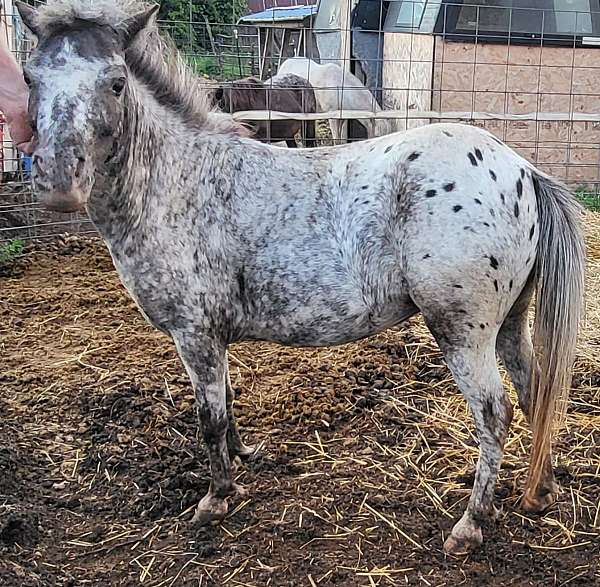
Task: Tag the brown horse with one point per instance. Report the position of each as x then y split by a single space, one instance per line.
289 93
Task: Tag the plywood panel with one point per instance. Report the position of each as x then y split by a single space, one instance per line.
407 75
522 80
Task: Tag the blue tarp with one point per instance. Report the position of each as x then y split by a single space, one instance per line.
280 14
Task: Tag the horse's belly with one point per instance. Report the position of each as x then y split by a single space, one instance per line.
330 325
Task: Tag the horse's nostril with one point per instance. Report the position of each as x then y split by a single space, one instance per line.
79 168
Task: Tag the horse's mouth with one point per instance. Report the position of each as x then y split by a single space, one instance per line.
62 201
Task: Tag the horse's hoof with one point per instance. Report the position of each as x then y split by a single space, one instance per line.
539 503
246 452
210 509
458 545
240 490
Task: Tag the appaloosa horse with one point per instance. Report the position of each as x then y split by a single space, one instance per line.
307 247
289 93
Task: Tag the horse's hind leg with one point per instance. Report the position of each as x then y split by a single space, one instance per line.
515 349
236 446
206 364
471 356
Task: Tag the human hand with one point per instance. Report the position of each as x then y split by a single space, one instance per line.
20 132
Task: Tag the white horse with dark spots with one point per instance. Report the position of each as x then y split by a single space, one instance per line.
312 247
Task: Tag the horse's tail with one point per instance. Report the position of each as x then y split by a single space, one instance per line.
560 275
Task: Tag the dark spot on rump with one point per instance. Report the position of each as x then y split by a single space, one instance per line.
522 173
414 156
356 200
482 326
389 148
470 325
449 187
492 212
472 159
528 259
426 256
447 133
510 284
479 154
468 228
364 187
532 231
493 175
516 209
457 286
503 198
457 208
486 224
519 188
478 201
493 262
430 193
496 284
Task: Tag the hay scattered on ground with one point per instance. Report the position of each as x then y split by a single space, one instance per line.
367 460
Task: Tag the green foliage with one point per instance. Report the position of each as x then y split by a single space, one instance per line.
207 65
10 251
589 199
185 19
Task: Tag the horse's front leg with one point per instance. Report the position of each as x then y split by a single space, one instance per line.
236 445
205 360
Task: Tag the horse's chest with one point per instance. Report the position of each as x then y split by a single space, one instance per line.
150 289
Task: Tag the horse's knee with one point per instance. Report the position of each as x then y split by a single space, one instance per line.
496 417
214 425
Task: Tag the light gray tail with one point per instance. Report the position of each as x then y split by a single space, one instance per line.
560 276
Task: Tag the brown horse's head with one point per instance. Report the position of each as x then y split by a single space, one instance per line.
244 94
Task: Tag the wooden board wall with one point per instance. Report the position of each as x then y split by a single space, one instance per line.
407 75
522 80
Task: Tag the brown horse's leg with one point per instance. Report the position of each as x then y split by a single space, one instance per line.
310 134
515 348
236 445
206 363
472 361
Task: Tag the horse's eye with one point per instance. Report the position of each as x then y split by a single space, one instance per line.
118 86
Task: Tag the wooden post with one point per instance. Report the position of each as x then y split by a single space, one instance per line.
213 46
346 7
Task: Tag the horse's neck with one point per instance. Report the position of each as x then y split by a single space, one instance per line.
146 151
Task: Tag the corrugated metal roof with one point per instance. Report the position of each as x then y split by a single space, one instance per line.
280 14
259 5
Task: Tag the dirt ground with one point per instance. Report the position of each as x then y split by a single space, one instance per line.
367 454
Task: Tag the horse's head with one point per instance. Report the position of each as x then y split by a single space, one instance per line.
77 78
243 94
221 97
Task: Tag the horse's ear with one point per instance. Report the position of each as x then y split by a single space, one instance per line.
29 16
135 24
